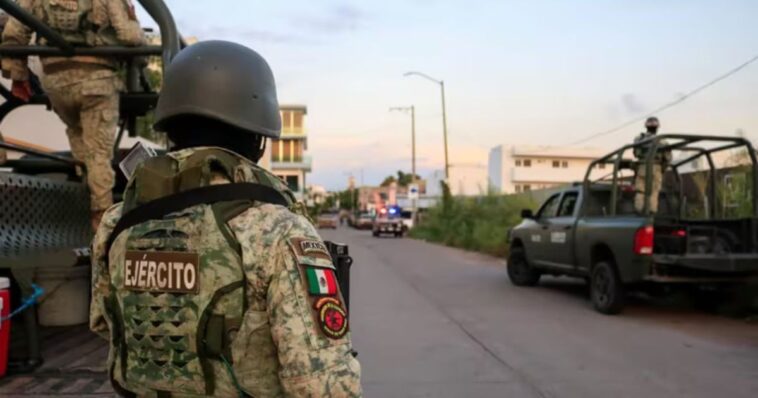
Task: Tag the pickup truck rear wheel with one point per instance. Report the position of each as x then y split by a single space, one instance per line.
606 289
519 271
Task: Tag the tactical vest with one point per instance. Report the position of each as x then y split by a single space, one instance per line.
640 152
177 283
72 19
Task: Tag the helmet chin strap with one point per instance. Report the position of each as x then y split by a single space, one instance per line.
261 149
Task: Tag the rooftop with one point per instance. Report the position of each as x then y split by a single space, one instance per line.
294 107
549 151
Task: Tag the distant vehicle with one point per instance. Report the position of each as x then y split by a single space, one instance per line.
408 220
591 230
328 220
388 221
363 221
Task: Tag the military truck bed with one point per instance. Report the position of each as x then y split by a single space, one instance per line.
74 366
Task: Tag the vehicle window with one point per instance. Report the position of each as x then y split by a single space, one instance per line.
568 205
548 209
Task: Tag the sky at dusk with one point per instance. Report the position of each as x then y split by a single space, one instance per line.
533 72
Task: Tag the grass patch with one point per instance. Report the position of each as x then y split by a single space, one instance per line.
478 224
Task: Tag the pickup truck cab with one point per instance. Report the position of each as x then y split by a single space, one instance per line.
699 235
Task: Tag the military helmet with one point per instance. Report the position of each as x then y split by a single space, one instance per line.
652 122
223 81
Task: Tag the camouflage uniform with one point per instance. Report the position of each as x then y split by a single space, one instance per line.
3 154
660 162
83 90
280 347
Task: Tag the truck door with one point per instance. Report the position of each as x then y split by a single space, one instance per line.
537 241
560 237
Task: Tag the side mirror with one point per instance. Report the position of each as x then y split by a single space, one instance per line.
527 214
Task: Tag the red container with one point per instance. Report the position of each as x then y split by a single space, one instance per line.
5 326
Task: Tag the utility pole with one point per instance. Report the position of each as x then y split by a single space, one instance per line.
444 115
444 131
412 110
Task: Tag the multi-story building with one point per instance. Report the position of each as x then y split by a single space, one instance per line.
514 169
288 159
465 180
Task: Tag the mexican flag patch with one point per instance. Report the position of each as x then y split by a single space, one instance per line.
321 281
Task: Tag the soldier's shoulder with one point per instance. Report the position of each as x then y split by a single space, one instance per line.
267 231
112 216
273 220
265 176
107 224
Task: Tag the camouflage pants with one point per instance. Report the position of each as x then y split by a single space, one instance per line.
639 185
88 103
3 154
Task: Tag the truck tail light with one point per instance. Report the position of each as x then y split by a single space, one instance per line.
643 241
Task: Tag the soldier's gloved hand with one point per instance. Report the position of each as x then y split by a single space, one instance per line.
22 90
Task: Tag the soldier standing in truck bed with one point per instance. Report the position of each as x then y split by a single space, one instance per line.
83 90
661 161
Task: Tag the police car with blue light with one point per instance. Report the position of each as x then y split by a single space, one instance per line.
388 222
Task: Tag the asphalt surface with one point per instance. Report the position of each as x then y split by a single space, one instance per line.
430 321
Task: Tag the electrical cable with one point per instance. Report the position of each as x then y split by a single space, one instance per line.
670 104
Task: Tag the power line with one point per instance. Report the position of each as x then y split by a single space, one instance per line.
670 104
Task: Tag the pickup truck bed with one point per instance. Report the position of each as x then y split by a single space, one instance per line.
74 366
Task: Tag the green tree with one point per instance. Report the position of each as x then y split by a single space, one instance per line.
402 179
348 199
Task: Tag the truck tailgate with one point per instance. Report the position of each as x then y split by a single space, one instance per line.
729 263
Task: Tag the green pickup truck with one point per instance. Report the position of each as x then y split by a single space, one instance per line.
705 230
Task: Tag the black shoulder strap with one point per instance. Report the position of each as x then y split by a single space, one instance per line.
159 208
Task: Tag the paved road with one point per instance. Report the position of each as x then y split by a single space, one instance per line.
430 321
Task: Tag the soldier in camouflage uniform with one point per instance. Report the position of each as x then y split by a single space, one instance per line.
661 160
223 298
83 90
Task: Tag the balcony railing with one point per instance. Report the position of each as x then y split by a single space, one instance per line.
300 163
293 131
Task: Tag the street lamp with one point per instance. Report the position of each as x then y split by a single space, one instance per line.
444 114
412 110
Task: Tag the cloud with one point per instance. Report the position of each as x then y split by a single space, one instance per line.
337 19
251 35
632 104
306 29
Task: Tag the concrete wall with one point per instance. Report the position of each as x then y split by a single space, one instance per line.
465 180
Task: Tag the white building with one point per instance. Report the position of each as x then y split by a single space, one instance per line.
315 195
514 169
465 180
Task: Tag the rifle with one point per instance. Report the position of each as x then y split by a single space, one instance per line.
342 262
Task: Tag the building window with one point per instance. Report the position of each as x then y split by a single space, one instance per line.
565 164
285 120
275 151
297 121
518 162
518 188
294 183
527 163
556 164
527 188
601 166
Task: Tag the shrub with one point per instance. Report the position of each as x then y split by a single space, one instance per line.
479 224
